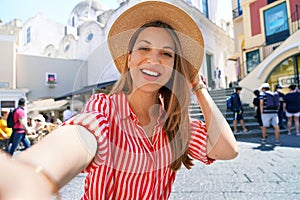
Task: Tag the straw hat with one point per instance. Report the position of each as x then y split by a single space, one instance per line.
136 16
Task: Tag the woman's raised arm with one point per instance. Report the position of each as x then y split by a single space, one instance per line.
221 143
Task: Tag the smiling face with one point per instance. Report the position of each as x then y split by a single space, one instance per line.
152 59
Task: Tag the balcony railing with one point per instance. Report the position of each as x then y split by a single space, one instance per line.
237 12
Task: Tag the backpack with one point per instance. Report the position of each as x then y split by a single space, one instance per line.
10 118
229 103
272 101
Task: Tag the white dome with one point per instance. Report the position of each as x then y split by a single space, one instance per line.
87 10
95 5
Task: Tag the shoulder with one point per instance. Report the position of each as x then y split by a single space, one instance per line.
97 102
19 111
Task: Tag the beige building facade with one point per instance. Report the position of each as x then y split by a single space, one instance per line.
267 44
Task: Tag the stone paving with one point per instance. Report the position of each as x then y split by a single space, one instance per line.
260 172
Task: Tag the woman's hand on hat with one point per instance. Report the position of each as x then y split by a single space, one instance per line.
199 79
195 81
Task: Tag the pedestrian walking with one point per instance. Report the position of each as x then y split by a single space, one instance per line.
281 116
256 103
237 109
292 108
217 77
269 105
20 128
133 141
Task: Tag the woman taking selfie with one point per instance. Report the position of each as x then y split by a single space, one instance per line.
134 140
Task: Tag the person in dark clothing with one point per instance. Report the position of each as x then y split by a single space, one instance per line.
256 102
280 110
269 105
292 108
237 110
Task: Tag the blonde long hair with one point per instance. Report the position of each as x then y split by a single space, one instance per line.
177 124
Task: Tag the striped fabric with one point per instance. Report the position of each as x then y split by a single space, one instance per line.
128 165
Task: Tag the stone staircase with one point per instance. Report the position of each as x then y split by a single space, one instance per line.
219 96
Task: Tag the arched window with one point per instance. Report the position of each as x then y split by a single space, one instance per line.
89 37
67 47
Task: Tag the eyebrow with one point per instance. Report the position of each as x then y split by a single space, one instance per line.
165 47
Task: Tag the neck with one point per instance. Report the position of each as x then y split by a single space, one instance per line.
143 105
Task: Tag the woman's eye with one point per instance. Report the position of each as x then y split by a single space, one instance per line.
143 48
168 54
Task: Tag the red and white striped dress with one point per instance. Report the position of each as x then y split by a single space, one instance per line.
127 164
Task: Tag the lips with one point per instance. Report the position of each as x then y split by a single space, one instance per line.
150 72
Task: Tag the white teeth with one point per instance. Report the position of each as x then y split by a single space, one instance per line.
150 73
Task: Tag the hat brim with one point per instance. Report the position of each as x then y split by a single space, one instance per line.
129 21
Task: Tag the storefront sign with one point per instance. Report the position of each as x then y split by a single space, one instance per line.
286 81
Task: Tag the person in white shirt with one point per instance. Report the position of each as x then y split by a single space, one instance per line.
67 114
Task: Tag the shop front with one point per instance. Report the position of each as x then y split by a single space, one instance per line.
286 73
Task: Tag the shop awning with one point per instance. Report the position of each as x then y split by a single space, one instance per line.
46 105
85 90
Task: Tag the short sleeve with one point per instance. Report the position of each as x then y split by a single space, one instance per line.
94 117
198 141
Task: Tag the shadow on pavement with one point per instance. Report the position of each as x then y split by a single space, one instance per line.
291 141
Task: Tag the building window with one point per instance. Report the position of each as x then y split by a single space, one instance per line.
51 79
209 66
239 8
252 60
205 8
73 21
89 37
28 35
276 24
67 47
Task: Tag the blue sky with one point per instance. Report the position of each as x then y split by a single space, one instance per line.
57 10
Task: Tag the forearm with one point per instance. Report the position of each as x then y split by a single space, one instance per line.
24 124
3 134
62 154
221 143
284 107
261 106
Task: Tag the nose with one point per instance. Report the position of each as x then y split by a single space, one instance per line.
153 57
